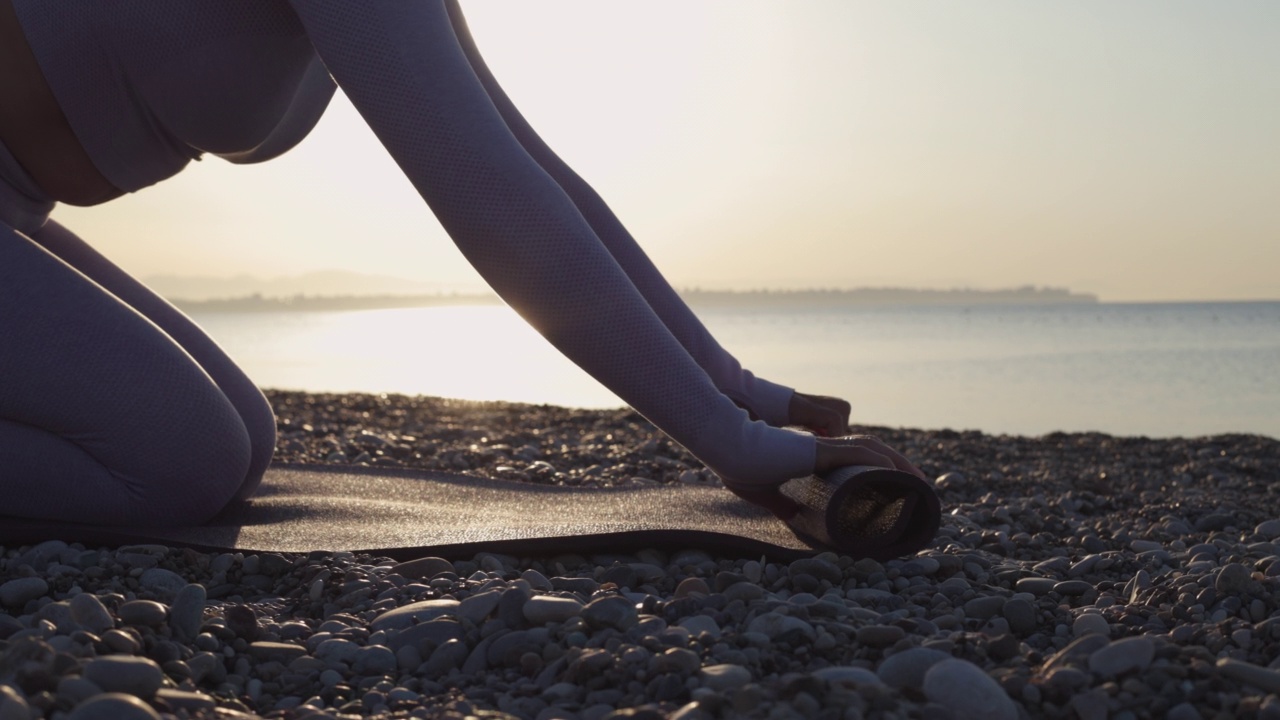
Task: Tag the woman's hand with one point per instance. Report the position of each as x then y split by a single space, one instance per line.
860 450
821 415
832 453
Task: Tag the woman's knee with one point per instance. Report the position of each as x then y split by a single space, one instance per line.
202 475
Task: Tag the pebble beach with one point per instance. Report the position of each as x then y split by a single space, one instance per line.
1074 576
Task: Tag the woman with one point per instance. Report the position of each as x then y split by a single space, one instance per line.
116 408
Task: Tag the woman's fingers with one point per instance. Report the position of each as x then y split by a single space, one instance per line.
825 416
860 450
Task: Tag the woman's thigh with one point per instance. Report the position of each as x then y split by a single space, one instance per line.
103 417
244 395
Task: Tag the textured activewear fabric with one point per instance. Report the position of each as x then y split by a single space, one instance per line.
23 205
148 85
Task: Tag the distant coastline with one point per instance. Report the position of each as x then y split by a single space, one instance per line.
700 299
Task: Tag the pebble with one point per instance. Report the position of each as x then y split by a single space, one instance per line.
968 691
775 627
89 612
1269 529
165 583
984 608
1260 677
547 609
422 568
113 706
724 677
698 624
142 612
187 612
848 674
1122 656
908 667
692 586
1021 615
1090 624
878 635
1035 585
403 617
130 675
1233 579
610 612
1072 588
17 593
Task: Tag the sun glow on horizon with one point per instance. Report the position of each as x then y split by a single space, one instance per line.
1124 150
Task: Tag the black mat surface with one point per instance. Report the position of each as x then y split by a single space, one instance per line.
405 514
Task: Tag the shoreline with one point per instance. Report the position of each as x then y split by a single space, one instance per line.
1075 575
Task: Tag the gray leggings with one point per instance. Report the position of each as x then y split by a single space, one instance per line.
115 408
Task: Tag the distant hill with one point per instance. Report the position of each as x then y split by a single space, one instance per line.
699 299
813 299
325 283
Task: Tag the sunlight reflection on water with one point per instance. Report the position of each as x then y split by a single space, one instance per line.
1155 370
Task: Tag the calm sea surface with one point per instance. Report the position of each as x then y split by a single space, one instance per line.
1156 370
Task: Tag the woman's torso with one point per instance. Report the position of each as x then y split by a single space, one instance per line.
145 86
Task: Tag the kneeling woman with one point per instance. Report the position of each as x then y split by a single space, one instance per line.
115 408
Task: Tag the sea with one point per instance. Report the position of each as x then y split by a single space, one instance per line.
1157 370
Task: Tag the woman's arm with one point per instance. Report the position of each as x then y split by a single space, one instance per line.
766 400
404 70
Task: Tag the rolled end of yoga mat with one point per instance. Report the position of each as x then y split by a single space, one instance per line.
866 511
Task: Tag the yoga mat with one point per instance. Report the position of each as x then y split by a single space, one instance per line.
405 514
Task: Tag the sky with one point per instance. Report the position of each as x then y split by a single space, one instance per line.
1129 150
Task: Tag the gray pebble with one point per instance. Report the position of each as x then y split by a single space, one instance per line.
374 660
724 677
698 624
450 655
969 692
1090 705
1090 624
879 635
1233 579
278 651
1260 677
131 675
692 586
1184 711
337 650
165 583
479 606
610 611
187 612
1035 585
548 609
403 617
908 668
818 568
142 612
1021 615
192 702
89 612
776 626
433 633
984 607
113 706
18 592
422 568
1072 588
536 580
848 674
1121 656
1269 529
